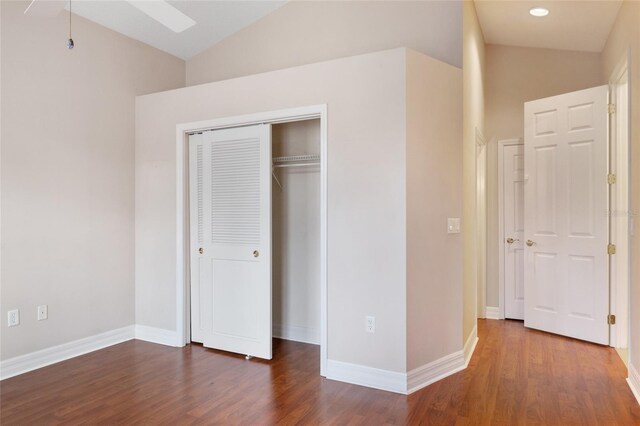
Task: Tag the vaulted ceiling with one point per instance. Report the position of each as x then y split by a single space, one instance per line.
214 20
582 25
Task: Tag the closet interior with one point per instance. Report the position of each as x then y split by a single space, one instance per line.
296 231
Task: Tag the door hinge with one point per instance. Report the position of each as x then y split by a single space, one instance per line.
611 178
611 249
611 319
611 108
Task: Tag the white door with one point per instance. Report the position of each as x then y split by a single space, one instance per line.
230 219
513 231
566 225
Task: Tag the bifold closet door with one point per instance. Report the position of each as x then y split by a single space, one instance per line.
230 217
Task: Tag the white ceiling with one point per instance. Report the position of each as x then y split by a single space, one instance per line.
571 25
215 20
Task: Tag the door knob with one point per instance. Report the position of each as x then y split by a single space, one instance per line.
256 253
511 240
530 243
200 250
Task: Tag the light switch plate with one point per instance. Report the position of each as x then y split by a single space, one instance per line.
453 225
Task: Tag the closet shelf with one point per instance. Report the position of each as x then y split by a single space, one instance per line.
293 161
296 160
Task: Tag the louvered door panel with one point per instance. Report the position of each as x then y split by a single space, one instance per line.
235 183
201 264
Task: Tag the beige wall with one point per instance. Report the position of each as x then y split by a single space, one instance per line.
625 37
367 197
434 172
365 97
68 175
514 76
473 101
305 32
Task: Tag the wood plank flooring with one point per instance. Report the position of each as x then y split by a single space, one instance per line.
516 377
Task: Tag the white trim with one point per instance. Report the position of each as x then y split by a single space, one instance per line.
182 256
481 222
501 146
410 382
157 335
619 205
34 360
634 382
297 333
493 312
367 376
427 374
470 345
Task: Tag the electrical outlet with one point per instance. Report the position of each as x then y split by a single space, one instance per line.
43 312
13 318
370 324
453 225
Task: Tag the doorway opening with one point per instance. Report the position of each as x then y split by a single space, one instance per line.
481 224
614 228
294 130
511 229
620 208
296 231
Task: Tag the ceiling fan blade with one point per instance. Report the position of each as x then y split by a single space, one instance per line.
45 8
164 13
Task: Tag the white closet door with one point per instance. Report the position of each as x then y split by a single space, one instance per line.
566 225
201 266
231 239
513 246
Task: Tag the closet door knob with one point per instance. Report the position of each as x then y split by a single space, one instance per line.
530 243
256 253
200 250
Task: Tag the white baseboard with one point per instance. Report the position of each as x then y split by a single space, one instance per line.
34 360
470 345
156 335
634 382
367 376
296 333
421 377
427 374
493 312
414 380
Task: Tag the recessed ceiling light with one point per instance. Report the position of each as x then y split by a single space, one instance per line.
539 12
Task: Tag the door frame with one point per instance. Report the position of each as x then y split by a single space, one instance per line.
620 206
481 222
183 315
502 144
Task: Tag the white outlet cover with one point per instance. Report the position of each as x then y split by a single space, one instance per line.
13 318
43 312
370 324
453 225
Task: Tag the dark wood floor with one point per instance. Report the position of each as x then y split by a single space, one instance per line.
516 376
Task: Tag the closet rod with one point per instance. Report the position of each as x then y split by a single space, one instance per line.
296 158
316 163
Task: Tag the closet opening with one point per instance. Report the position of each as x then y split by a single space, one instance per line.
272 282
296 231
